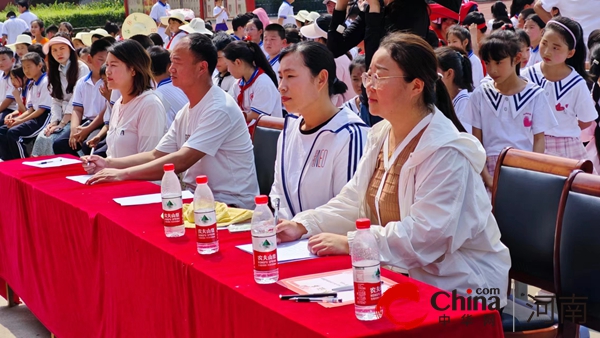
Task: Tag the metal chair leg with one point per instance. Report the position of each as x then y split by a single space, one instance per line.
10 296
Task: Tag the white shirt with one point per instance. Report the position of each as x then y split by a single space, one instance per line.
13 27
226 84
262 97
476 68
159 10
137 126
581 11
173 98
6 89
38 95
114 96
27 16
509 120
87 96
216 127
274 62
62 107
534 56
221 18
286 11
461 107
351 104
446 235
312 167
569 98
342 72
175 38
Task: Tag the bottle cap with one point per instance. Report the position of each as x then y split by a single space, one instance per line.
262 199
169 167
363 223
202 179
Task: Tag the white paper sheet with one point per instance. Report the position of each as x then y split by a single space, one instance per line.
52 162
147 199
80 178
287 252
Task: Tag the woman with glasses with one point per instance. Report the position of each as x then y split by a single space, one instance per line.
321 144
418 182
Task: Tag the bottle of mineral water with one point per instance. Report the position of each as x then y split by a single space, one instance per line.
264 243
367 276
207 239
170 191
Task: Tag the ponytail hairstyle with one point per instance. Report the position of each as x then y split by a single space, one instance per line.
250 53
456 59
417 60
54 83
317 58
500 45
573 37
462 34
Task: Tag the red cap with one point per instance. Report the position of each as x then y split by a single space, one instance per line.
363 223
262 199
202 179
169 167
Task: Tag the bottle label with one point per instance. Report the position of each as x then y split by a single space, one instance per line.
367 285
206 226
265 253
172 211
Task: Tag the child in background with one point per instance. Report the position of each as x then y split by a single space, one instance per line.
66 28
533 27
51 31
157 39
174 22
19 83
455 67
507 111
64 70
357 68
20 46
274 42
78 41
592 133
173 98
28 125
562 74
256 90
524 14
460 37
37 30
7 103
37 48
221 77
475 23
254 33
87 103
221 15
525 47
238 24
98 141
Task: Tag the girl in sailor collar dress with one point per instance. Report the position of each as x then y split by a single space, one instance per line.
562 74
508 111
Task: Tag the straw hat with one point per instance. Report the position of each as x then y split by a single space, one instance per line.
196 26
86 38
79 36
138 23
301 16
21 38
173 15
312 16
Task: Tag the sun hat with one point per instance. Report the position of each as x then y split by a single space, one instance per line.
196 26
54 41
301 16
318 29
86 38
312 16
173 15
138 23
21 38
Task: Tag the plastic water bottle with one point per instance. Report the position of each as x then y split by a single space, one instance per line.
264 243
170 191
367 275
205 217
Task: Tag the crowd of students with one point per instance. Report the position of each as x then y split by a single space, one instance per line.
449 98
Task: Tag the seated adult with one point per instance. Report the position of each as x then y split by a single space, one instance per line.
208 137
418 182
321 144
138 119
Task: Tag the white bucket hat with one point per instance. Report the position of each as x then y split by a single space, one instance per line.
86 38
177 15
21 38
196 26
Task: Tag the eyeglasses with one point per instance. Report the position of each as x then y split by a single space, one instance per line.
375 79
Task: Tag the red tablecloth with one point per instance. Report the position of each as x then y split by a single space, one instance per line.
87 267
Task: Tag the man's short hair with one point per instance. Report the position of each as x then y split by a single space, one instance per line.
275 27
203 49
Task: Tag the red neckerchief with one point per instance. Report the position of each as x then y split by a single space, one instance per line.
173 38
245 85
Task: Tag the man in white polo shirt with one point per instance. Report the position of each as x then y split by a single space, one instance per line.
26 15
208 137
285 14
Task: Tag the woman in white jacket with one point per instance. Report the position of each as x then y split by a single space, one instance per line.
321 144
434 215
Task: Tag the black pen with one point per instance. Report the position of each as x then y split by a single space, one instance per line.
312 295
317 300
